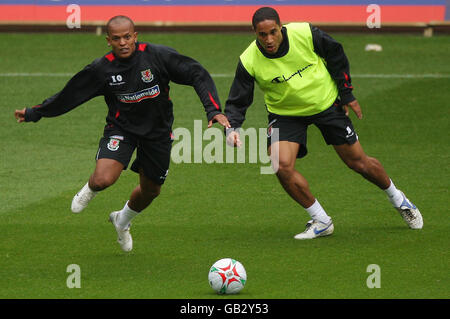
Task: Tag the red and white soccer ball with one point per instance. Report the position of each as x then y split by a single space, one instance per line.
227 276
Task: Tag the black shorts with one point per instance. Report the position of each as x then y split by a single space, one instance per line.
153 156
335 126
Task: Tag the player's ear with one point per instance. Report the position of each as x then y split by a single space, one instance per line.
135 36
108 40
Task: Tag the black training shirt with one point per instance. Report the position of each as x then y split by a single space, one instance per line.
136 89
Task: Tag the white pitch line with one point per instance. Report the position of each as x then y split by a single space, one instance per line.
36 74
402 76
225 75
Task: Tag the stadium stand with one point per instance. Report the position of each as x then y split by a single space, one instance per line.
426 16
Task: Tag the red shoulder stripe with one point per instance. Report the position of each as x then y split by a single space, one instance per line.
110 57
142 46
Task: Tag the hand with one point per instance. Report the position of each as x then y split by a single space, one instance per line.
222 119
20 115
354 105
233 139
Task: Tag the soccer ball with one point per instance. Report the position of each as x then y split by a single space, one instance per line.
227 276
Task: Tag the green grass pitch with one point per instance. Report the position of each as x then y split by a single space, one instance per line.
210 211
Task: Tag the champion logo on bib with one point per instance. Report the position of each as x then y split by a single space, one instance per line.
283 78
113 144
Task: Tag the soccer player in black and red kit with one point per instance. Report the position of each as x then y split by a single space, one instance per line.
134 80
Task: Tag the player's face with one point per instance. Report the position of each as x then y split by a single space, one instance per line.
122 38
268 34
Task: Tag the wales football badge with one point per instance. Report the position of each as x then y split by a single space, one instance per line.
147 76
113 144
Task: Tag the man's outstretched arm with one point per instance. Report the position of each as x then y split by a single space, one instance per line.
82 87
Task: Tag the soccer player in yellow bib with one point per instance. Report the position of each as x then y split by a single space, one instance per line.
304 75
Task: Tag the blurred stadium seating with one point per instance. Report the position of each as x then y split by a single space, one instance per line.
427 16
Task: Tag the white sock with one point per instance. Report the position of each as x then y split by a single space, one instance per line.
125 216
395 196
317 212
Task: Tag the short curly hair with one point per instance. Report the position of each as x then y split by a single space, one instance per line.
265 13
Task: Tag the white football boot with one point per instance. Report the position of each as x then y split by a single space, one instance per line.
315 229
410 213
123 235
82 198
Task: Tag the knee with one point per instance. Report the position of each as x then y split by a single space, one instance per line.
151 191
99 183
285 171
359 165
